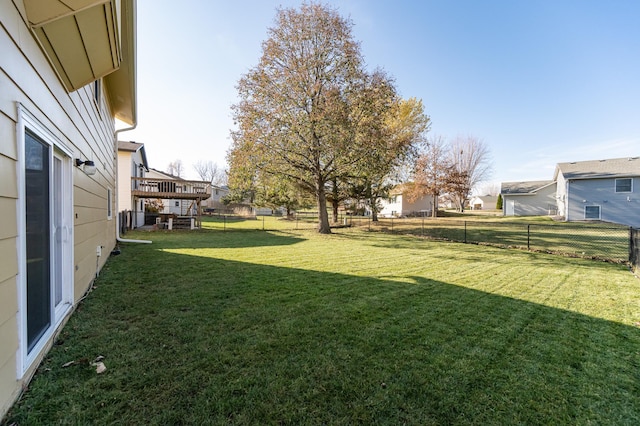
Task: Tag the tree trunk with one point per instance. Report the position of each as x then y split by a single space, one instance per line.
374 209
434 212
335 205
323 216
334 200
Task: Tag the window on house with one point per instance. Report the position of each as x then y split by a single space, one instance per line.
177 204
109 201
592 212
624 185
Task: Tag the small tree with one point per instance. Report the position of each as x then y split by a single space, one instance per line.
499 202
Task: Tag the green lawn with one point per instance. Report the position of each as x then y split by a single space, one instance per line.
292 327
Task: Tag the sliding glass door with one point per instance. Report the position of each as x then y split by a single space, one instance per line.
38 233
48 240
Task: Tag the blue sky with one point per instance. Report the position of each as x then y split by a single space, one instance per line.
539 81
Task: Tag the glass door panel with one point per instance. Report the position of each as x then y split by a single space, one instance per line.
38 233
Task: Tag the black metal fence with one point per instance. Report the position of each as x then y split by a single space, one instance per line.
601 242
634 249
595 241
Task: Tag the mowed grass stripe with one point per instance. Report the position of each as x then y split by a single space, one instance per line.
244 327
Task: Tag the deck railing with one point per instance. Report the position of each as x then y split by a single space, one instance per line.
170 188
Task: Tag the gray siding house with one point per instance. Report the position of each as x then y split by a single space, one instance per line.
532 198
606 190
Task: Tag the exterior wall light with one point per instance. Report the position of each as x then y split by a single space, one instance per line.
88 166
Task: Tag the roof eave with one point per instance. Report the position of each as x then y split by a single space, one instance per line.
121 84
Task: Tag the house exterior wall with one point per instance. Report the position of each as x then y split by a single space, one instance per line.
399 205
124 181
215 201
391 206
561 195
542 203
421 204
82 128
622 207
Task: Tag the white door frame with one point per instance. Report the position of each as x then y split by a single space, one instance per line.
61 266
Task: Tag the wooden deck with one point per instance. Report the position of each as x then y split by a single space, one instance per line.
170 189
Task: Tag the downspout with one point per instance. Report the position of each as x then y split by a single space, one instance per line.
126 129
115 142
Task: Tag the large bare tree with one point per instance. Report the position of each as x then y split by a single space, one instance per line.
175 168
471 162
210 172
302 108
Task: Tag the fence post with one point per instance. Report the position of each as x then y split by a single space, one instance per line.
224 223
297 216
263 223
422 233
528 236
370 222
465 231
631 245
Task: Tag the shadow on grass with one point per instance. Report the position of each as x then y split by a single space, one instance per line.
214 238
197 340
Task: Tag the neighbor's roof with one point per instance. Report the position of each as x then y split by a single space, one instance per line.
134 147
598 169
129 146
167 175
528 187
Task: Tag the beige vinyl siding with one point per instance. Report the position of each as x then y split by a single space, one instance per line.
7 134
8 329
84 128
8 389
8 177
124 181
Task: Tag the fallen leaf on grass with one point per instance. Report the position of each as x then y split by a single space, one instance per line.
100 367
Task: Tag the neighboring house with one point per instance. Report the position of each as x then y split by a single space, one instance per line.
607 190
67 72
178 196
398 204
215 202
531 198
483 202
132 162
